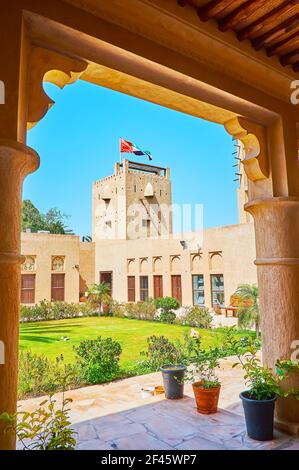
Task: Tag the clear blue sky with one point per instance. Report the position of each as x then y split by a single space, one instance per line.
78 143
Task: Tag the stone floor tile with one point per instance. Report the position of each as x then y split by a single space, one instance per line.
243 440
198 443
94 444
105 422
141 441
117 431
170 429
290 445
85 431
117 413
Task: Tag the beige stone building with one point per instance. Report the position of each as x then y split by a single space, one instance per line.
56 267
135 250
137 253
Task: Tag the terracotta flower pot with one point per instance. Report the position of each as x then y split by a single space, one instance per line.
206 398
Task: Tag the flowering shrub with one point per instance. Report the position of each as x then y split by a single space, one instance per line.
45 311
197 317
141 310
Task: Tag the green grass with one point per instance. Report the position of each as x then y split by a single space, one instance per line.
44 338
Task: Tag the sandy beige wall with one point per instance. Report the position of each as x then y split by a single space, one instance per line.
87 265
43 247
236 244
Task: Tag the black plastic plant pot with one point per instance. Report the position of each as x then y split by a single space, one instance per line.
259 417
173 380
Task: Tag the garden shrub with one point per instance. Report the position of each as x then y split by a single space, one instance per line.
141 310
38 375
117 309
167 317
198 317
160 351
45 311
98 360
167 305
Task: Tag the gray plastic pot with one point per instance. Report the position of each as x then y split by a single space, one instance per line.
173 380
259 417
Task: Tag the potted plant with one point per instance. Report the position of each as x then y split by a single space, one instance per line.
263 388
205 383
173 380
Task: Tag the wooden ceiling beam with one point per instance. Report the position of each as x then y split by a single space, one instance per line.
274 49
239 14
211 9
258 24
282 28
296 67
290 58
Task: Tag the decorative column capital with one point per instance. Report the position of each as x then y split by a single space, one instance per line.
277 230
48 66
253 137
18 158
16 162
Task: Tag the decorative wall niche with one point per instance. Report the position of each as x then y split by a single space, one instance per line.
131 265
58 263
143 263
196 262
215 261
157 264
175 263
29 264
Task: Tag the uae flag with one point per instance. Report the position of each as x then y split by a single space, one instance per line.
130 147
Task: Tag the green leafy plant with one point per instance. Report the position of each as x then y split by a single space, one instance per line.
203 363
262 382
48 427
167 303
98 360
38 375
161 351
167 317
167 306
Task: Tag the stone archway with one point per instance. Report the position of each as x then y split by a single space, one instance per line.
170 62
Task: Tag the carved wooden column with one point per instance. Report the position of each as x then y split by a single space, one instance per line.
16 161
277 246
25 102
274 205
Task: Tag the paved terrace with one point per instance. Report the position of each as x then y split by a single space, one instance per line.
118 416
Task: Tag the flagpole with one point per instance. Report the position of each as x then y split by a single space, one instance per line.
120 155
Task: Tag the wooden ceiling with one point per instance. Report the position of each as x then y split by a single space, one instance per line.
272 25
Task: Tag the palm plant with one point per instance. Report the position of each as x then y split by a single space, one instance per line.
99 294
248 303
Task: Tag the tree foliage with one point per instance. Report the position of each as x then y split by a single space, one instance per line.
248 303
54 221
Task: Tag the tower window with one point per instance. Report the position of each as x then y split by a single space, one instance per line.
146 225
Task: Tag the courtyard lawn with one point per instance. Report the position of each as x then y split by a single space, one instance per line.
45 338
